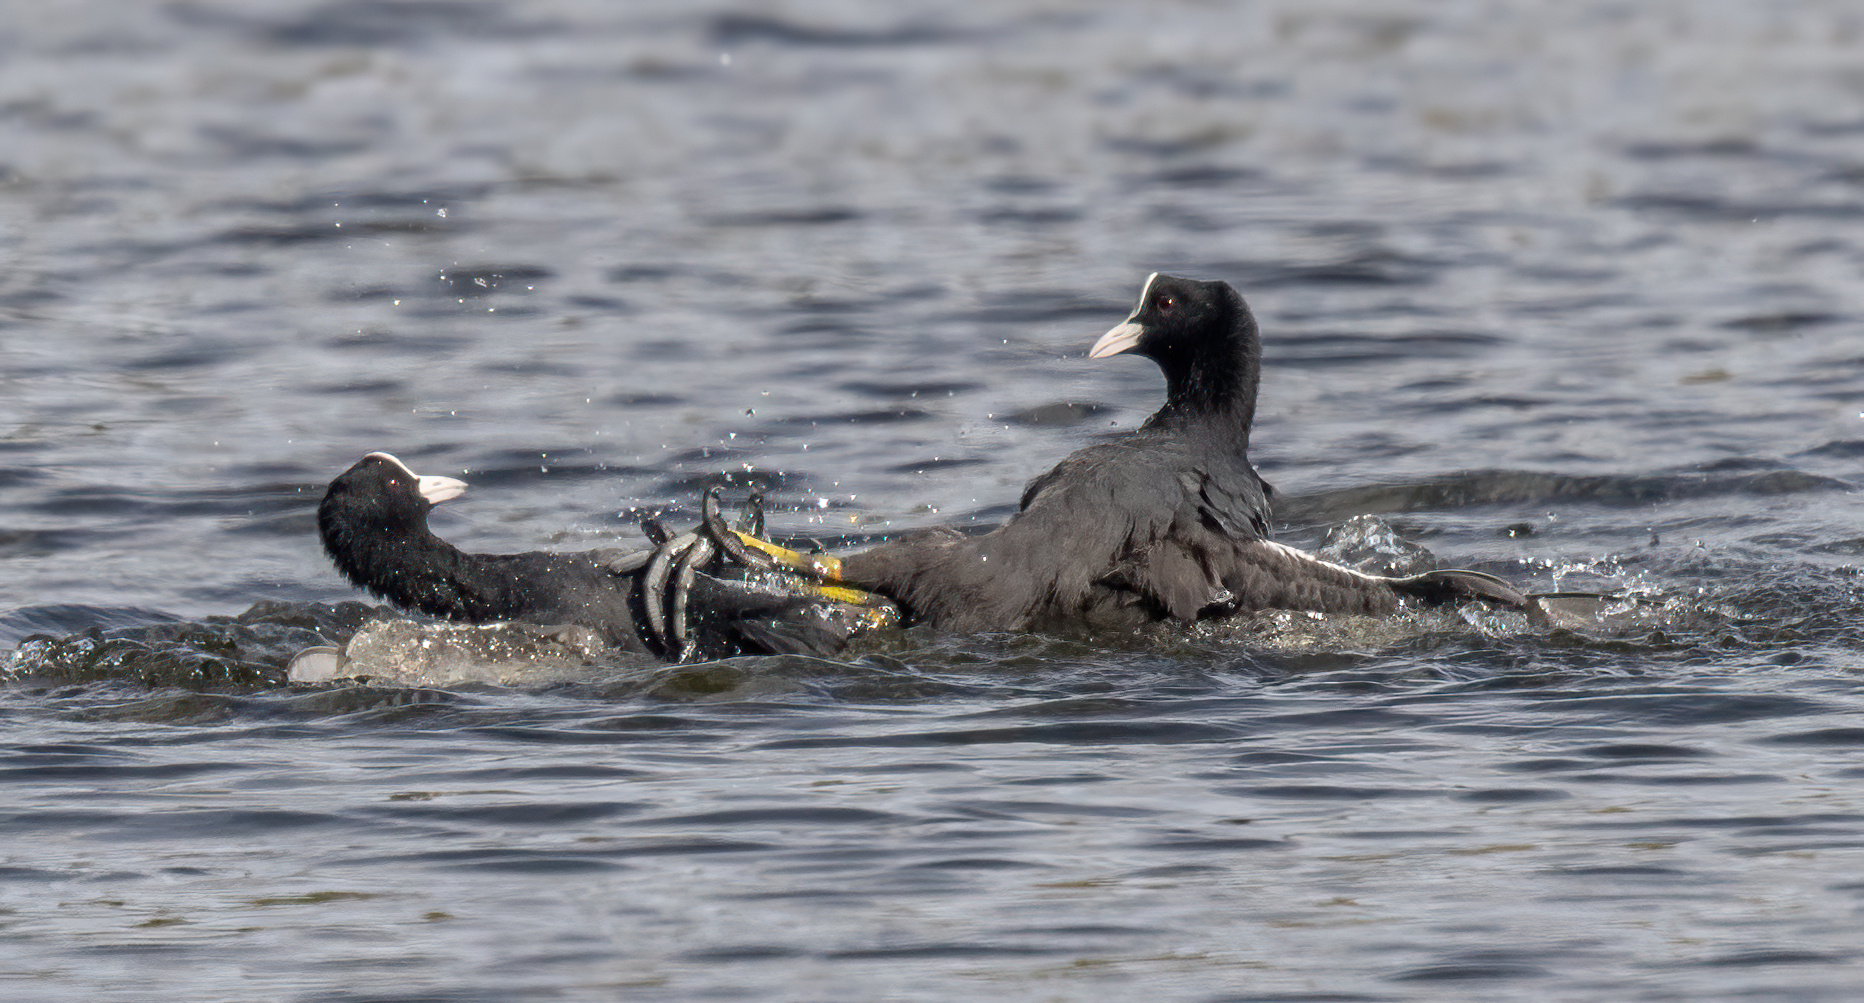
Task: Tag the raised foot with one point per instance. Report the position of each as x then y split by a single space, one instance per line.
775 591
752 552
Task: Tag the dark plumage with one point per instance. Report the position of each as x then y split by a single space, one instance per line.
373 522
1166 521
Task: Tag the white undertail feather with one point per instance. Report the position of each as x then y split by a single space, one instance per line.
1311 559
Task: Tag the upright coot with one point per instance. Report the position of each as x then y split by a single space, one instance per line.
1166 521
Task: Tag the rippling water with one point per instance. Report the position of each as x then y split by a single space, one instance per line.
1571 293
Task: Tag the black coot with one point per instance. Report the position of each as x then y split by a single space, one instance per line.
373 522
1166 521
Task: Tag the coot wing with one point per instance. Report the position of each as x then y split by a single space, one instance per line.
1142 523
1234 499
1095 511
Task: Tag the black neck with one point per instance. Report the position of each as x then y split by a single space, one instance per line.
418 570
1214 391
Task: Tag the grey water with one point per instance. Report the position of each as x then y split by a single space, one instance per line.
1572 293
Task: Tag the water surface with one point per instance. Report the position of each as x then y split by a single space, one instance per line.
1567 292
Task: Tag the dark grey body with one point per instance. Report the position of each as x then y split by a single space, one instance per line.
535 587
1147 527
1167 521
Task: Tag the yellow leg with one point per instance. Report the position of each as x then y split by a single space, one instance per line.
876 611
818 566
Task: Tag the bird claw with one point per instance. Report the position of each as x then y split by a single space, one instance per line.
617 561
655 532
673 565
752 551
654 580
728 539
669 571
696 555
751 515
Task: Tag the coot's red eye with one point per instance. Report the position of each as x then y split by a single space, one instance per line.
1164 303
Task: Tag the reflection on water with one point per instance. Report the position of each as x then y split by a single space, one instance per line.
1567 293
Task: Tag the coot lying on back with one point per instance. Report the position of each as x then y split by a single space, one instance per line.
373 522
1166 521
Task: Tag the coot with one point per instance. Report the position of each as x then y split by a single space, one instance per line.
1167 521
373 523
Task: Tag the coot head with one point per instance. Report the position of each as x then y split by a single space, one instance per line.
378 502
1204 338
